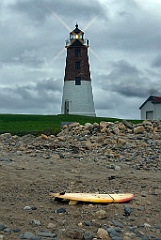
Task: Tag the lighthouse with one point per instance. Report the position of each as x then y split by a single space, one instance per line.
77 90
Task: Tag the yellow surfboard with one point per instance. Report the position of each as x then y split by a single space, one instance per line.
94 197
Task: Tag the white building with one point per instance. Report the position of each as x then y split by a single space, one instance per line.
151 108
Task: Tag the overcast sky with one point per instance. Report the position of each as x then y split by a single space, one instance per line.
124 53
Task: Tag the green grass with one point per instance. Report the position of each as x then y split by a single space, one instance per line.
18 124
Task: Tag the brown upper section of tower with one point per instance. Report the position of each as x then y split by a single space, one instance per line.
77 65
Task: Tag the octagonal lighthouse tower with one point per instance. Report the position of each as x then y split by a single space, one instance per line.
77 91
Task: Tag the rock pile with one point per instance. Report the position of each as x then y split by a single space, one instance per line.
141 143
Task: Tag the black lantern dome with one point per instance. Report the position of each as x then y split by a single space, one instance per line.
76 33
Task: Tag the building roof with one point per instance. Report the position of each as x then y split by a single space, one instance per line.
153 99
76 30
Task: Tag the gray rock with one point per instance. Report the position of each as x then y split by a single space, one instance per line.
102 234
88 235
35 222
112 232
139 129
27 208
117 168
60 210
46 234
101 214
2 227
5 136
6 160
35 238
128 124
116 238
117 224
7 230
127 210
26 235
88 223
74 233
1 237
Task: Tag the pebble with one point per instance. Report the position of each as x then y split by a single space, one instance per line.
27 208
74 233
102 233
35 238
26 235
88 235
127 210
116 238
6 160
35 222
46 234
143 193
117 168
60 210
51 226
146 225
2 227
112 232
88 223
117 224
101 214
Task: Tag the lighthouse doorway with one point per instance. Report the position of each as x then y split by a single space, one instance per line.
66 107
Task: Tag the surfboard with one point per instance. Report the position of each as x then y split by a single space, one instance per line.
94 197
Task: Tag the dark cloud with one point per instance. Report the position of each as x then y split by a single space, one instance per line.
124 69
49 85
130 28
40 97
39 10
128 81
126 5
31 62
113 104
157 62
108 102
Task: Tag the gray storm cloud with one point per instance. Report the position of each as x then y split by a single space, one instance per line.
34 96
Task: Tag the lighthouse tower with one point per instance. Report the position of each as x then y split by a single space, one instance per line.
77 91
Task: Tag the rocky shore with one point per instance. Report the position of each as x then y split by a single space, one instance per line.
106 158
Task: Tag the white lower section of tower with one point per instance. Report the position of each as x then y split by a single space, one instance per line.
77 99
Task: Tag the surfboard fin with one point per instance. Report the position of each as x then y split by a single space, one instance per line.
62 193
72 202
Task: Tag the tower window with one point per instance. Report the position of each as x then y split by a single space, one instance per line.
77 65
77 52
77 81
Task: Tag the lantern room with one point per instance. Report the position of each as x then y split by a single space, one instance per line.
76 33
76 37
